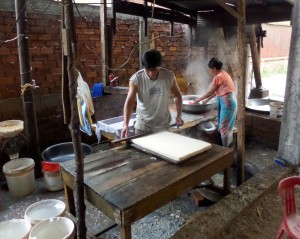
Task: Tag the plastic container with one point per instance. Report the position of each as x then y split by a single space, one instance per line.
52 176
276 109
53 228
19 175
15 229
43 210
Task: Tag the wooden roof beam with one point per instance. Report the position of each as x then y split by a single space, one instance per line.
174 7
228 9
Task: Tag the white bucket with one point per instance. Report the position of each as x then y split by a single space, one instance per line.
276 109
53 228
53 181
15 229
19 175
52 176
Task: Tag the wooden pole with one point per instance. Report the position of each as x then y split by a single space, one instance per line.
69 49
104 45
255 58
30 120
241 6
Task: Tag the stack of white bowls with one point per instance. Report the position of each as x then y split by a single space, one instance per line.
42 220
47 220
15 229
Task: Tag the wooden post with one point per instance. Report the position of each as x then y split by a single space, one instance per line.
255 57
30 121
69 49
104 45
241 29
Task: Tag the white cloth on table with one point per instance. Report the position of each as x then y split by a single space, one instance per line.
114 128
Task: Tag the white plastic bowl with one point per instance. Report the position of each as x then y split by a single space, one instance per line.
15 229
53 228
44 210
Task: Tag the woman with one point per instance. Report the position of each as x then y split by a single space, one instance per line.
222 86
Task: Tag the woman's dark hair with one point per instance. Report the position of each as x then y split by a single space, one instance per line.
215 63
151 59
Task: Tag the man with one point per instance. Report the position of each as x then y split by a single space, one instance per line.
152 88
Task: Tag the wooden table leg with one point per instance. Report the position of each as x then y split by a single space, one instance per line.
126 232
70 201
226 180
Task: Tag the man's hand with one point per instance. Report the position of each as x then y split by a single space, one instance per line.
179 121
124 132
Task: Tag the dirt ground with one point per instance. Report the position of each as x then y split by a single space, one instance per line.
261 221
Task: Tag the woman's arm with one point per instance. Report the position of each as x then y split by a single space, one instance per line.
209 94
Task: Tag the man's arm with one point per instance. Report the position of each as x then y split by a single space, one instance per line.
128 107
178 102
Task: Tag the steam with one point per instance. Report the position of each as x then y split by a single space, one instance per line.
197 75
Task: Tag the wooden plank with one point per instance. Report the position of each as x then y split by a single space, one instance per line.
131 174
169 174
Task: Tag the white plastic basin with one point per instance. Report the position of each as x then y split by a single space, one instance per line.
15 229
53 228
44 210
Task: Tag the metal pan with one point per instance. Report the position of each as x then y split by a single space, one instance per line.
197 108
259 105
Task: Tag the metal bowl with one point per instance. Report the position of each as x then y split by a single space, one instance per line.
197 108
63 152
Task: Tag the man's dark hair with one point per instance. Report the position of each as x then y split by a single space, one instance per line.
151 59
215 63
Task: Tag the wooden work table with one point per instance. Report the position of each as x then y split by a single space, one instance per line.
127 184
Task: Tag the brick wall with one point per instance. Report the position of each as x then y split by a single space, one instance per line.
262 128
44 38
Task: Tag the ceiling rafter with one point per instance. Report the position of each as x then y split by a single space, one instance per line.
228 9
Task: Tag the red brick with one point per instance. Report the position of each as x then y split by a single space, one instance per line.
6 14
4 51
44 37
39 30
42 23
89 31
53 43
37 64
47 50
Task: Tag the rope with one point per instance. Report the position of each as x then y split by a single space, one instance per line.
26 87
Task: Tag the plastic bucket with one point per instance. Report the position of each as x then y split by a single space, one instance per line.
52 177
19 175
276 109
15 229
53 228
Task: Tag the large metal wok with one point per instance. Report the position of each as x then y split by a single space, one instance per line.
197 108
259 105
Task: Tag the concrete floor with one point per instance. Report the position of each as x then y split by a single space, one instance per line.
163 223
